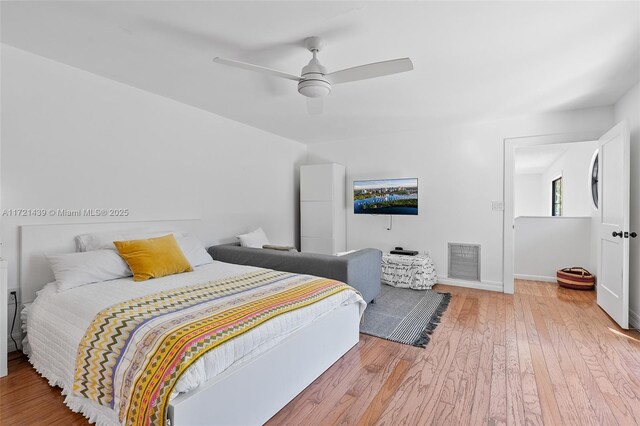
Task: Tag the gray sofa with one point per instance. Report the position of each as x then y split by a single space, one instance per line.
360 269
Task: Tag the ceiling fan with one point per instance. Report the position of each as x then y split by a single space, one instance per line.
316 82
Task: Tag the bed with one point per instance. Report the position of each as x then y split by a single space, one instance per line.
244 380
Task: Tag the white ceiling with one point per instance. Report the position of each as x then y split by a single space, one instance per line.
473 60
537 159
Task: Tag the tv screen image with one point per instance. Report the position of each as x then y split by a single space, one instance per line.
386 196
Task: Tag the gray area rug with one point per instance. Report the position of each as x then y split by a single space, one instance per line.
404 315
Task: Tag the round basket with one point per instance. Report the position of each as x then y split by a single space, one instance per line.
576 278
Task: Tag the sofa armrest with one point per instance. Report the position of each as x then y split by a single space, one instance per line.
364 272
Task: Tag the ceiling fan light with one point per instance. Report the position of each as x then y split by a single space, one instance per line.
314 88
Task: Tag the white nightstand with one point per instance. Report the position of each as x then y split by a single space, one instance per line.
3 318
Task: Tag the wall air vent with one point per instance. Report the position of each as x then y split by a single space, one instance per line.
464 261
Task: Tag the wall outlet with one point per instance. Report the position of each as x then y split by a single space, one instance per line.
10 299
497 206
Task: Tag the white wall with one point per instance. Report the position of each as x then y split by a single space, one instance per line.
628 108
461 172
573 166
532 191
542 245
528 196
73 140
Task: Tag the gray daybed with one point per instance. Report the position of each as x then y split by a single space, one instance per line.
360 269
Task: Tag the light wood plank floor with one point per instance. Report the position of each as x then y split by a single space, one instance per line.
545 355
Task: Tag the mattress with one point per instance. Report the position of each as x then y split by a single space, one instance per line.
57 321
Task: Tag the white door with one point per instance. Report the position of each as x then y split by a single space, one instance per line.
613 224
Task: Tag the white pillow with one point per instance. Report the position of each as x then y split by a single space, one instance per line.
104 240
255 239
194 251
76 269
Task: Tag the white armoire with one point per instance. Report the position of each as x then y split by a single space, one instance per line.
322 208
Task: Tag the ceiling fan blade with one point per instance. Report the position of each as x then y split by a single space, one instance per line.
255 68
377 69
315 106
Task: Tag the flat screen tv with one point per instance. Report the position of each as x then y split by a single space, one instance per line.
386 196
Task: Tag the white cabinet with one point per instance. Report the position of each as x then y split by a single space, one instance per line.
322 208
4 335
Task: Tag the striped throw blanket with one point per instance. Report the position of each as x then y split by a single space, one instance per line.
134 352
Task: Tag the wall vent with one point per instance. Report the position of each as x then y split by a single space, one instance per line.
464 261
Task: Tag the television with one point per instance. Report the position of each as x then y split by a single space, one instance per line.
386 196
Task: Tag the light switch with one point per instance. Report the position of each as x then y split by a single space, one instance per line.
497 206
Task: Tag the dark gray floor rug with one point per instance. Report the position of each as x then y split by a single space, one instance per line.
404 315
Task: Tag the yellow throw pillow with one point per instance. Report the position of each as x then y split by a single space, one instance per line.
154 257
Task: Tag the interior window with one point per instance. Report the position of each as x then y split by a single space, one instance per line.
556 197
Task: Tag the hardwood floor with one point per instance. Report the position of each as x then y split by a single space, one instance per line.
545 355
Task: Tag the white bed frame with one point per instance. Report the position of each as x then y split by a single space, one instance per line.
246 394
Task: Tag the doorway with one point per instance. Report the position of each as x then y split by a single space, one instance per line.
610 226
553 210
510 147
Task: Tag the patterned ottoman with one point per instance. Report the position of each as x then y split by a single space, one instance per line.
416 272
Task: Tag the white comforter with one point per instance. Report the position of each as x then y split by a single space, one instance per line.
56 323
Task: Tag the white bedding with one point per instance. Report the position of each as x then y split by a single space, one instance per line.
57 321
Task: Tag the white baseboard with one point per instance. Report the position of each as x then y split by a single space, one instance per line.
535 278
634 320
480 285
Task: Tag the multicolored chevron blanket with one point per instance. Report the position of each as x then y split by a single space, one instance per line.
134 352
